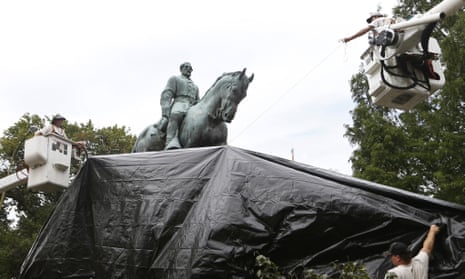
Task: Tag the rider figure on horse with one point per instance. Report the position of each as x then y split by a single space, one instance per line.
178 96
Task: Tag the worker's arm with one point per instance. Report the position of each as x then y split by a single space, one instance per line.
44 131
358 34
428 244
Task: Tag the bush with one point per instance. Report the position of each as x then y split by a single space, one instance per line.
267 269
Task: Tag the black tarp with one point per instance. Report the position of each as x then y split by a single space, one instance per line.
206 213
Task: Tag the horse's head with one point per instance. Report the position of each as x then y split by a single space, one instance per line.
232 89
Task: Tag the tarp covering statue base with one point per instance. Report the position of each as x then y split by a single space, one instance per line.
207 212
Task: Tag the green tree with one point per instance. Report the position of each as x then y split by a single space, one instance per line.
421 150
32 209
449 174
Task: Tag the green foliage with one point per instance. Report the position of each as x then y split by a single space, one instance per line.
107 140
348 270
32 209
13 249
352 270
267 269
12 142
421 150
310 274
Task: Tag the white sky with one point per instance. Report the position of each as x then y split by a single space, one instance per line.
108 61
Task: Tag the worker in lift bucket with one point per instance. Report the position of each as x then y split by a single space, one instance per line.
375 22
378 22
56 128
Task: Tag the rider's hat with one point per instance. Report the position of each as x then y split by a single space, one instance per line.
372 15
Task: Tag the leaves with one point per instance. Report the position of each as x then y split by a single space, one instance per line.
267 269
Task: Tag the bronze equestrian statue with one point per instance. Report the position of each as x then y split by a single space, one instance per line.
204 121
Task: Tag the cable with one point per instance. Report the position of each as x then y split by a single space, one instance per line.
287 92
409 74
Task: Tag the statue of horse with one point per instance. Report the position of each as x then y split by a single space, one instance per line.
204 123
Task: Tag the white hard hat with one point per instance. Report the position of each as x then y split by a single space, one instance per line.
370 18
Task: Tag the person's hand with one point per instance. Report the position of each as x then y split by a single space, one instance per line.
344 40
434 229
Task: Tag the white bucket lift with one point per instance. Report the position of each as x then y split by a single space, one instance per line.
404 80
49 161
403 67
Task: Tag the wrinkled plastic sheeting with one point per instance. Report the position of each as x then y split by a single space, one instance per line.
207 212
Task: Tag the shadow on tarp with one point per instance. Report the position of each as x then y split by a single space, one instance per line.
207 212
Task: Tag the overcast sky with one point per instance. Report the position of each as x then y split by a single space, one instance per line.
108 61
